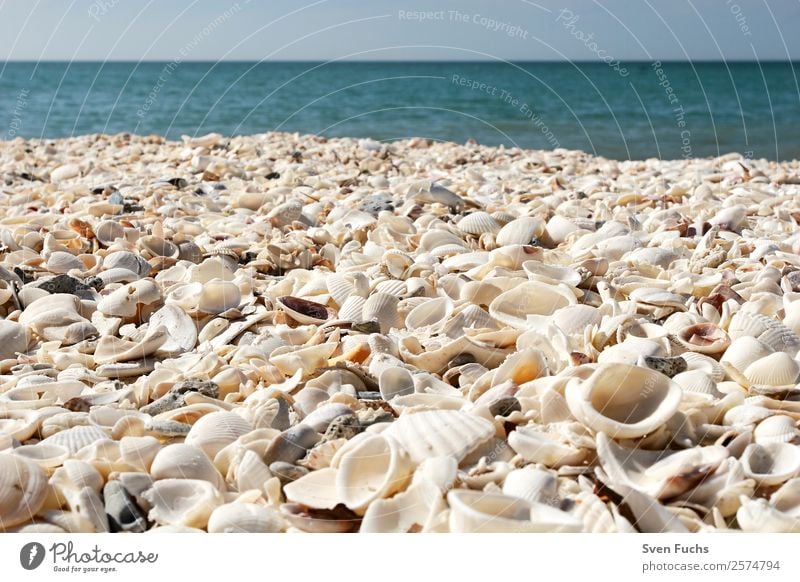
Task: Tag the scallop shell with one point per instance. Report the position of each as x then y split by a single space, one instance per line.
532 484
214 431
698 382
438 433
743 351
74 439
23 490
776 369
478 223
623 401
776 429
184 502
381 307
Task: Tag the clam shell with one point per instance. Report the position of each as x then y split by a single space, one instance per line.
23 490
538 447
776 369
370 467
524 230
439 433
218 296
771 463
705 338
381 307
478 512
182 461
513 307
184 502
623 401
214 431
478 223
244 518
776 429
429 313
395 381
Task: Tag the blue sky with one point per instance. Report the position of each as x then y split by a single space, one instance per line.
391 30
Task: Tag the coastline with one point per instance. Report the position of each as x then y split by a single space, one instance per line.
285 332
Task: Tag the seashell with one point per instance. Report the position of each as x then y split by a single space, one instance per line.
244 518
524 230
369 468
181 331
395 381
771 463
533 485
74 439
291 445
214 431
320 418
108 231
303 311
743 351
538 447
520 367
186 502
513 307
758 516
14 338
623 401
775 429
478 512
698 382
218 296
124 513
659 474
317 490
182 461
23 490
125 300
705 338
429 313
551 274
439 433
381 307
47 456
478 223
776 369
290 359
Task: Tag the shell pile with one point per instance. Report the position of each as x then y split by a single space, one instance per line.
291 333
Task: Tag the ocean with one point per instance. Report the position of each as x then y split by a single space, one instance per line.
622 110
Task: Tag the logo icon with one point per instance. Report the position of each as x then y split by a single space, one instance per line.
31 555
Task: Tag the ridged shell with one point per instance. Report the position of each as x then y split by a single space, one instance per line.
743 351
216 430
698 382
23 489
74 439
775 429
776 369
479 512
352 309
381 307
478 223
436 433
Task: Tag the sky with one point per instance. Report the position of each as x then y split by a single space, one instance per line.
164 30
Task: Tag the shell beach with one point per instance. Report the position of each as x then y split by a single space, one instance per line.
286 333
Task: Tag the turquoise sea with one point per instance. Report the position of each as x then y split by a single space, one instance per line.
629 111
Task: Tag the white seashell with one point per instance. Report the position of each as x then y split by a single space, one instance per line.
551 274
698 382
180 328
245 518
539 447
290 359
320 418
214 431
523 231
318 489
186 502
771 463
126 300
439 433
776 369
743 351
478 223
182 461
775 429
370 467
218 296
758 516
531 298
74 439
395 381
381 307
23 489
520 367
430 313
533 485
704 338
478 512
623 401
660 474
47 456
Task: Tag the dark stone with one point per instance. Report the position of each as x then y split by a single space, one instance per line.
124 515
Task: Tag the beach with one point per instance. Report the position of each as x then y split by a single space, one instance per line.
285 332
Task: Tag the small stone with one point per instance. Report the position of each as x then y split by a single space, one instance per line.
122 511
342 427
376 203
